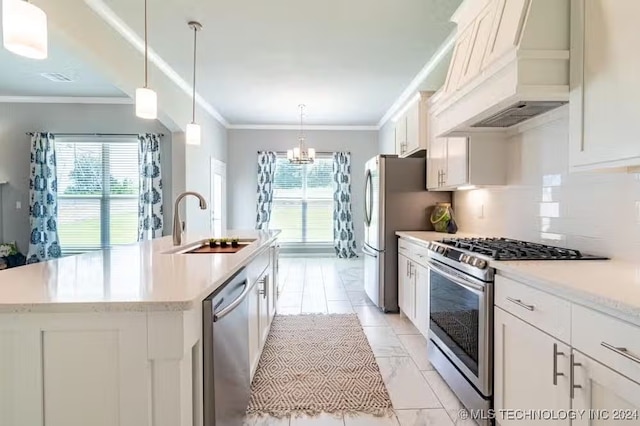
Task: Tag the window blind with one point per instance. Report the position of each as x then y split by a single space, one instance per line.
303 201
98 190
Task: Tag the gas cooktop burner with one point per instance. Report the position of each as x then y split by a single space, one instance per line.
507 249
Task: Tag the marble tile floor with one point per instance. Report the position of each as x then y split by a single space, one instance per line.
419 395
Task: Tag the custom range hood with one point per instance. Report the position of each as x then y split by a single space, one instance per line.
510 63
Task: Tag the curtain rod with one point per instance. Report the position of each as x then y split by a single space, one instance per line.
96 134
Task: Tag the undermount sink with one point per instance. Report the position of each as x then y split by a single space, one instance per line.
202 247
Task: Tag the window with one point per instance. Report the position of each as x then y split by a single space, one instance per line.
97 193
303 201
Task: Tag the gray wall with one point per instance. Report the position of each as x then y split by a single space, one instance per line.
242 166
17 119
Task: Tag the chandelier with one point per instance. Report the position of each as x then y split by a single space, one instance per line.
301 154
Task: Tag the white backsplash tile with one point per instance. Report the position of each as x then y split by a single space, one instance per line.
596 212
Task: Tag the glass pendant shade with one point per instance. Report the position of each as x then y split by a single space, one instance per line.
289 154
146 103
193 134
24 29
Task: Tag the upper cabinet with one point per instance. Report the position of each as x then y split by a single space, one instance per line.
510 63
604 110
411 127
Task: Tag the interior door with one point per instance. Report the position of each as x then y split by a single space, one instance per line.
218 197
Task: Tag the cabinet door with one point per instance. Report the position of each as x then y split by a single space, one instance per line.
254 327
401 135
459 59
507 27
604 84
410 292
403 277
413 127
422 300
526 361
609 398
457 165
436 159
265 320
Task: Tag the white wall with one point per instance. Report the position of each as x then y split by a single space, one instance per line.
17 118
242 166
596 212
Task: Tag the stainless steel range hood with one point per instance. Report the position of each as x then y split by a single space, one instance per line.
510 64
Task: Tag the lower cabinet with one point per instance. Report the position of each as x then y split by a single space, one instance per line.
531 371
536 374
607 397
261 312
413 291
254 328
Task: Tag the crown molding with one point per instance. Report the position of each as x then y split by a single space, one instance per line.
111 18
412 88
66 100
297 127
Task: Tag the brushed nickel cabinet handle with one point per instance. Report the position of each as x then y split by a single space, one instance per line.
521 304
572 376
621 351
555 364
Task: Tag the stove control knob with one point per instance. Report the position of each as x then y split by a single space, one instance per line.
440 249
481 264
465 258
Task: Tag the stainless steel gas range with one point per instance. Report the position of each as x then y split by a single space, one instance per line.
461 308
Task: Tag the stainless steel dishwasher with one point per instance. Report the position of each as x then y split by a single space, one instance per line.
227 375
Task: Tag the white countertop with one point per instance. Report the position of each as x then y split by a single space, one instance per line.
137 277
610 286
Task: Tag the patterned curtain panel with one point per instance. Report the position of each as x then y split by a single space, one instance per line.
43 193
266 174
344 240
150 214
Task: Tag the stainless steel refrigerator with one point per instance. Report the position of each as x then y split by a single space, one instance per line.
395 200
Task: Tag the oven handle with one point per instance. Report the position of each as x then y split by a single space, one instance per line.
461 281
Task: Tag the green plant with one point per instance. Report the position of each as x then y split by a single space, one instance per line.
213 240
235 240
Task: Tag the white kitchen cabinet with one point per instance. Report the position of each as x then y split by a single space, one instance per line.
412 127
604 95
527 362
608 397
459 59
254 328
265 319
401 135
478 160
422 300
406 287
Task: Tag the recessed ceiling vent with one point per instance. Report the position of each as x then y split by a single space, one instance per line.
56 77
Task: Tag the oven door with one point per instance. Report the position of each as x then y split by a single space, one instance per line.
461 323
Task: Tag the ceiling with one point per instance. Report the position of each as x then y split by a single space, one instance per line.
20 76
348 61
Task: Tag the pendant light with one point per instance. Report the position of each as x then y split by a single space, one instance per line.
24 29
300 154
146 99
193 129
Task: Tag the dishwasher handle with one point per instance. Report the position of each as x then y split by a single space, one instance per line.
217 316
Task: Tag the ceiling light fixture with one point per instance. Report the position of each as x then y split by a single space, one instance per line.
300 154
146 99
24 29
193 129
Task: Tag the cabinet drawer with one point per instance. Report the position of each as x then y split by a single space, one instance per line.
404 247
549 313
613 342
415 252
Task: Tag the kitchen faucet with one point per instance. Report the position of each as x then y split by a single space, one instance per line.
179 225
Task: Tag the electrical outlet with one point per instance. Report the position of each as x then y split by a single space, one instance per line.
481 211
18 205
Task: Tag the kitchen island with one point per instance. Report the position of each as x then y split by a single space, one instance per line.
115 337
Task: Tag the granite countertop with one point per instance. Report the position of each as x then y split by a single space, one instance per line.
610 286
146 276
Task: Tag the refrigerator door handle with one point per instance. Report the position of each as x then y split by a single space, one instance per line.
366 250
368 198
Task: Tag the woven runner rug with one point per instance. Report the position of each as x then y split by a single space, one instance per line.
315 364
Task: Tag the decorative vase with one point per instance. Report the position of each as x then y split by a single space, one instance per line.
442 218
